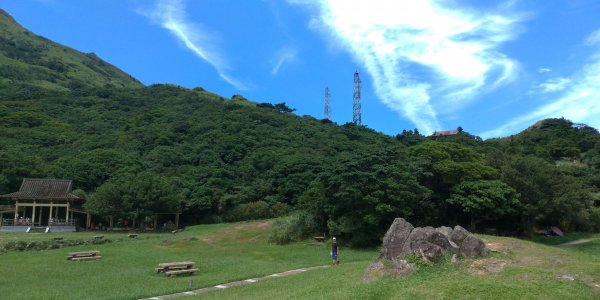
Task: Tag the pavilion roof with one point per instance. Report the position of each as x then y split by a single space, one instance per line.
44 189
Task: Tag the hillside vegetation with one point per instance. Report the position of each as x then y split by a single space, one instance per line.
134 150
29 63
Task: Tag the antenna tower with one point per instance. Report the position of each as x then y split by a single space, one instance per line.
327 111
356 114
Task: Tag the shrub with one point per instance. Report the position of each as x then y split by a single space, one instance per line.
250 211
292 228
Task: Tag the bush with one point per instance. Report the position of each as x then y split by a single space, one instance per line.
251 211
292 228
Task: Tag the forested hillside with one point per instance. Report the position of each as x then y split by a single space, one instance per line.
29 63
134 150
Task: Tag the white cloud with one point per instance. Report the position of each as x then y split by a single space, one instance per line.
425 57
285 54
171 15
593 38
544 70
579 102
554 85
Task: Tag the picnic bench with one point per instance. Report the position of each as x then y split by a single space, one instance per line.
98 237
84 255
132 236
320 239
176 268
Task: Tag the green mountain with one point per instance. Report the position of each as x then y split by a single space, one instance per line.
29 60
133 151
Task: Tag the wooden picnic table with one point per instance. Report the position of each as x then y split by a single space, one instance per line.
176 268
84 255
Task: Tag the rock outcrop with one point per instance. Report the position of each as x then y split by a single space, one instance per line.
403 239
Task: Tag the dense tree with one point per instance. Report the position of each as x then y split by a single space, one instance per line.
135 196
484 200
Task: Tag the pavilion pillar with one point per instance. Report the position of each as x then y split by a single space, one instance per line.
33 214
67 214
88 221
177 221
110 221
50 214
16 212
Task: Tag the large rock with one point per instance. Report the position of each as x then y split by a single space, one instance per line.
469 244
427 242
445 230
402 239
394 238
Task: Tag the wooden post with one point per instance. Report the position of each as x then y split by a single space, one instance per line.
177 221
67 214
16 212
50 214
33 214
111 222
88 221
155 222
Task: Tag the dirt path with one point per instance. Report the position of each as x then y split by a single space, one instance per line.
234 283
576 242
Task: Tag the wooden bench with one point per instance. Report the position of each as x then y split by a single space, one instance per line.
132 236
320 239
176 268
84 255
98 237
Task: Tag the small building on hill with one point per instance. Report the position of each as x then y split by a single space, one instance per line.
445 133
43 205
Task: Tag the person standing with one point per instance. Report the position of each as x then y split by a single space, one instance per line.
334 251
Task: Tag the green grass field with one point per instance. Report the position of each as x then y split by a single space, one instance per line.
229 252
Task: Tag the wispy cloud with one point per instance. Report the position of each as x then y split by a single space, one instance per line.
171 15
426 58
579 101
554 85
285 54
593 38
544 70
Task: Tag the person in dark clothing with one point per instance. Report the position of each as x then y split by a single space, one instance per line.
334 251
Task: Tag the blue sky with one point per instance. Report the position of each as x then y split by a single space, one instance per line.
492 67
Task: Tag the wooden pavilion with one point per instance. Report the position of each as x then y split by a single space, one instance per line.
46 204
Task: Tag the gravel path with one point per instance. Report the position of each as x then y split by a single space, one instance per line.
234 283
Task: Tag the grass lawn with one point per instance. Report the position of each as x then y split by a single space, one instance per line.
229 252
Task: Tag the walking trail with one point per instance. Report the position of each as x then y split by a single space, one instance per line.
576 242
234 283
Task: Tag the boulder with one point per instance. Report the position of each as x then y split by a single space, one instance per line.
427 242
395 237
402 239
445 230
468 244
473 246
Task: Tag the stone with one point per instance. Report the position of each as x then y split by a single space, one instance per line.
401 268
458 235
395 237
473 246
454 260
427 242
374 271
468 244
403 239
445 230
